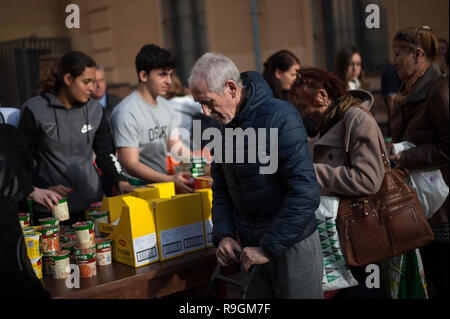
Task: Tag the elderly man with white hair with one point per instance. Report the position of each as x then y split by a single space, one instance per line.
266 217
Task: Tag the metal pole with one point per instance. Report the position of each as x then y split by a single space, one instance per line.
256 44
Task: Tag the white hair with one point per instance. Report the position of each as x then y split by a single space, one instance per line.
216 69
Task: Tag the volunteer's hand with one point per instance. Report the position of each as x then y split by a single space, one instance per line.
224 253
125 187
252 256
61 190
45 197
183 182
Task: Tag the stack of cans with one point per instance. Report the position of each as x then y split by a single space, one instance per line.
198 167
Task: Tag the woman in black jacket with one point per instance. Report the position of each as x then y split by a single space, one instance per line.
64 127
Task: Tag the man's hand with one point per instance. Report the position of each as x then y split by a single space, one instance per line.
61 190
253 255
125 187
45 197
224 253
183 182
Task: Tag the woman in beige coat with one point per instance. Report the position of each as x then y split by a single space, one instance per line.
346 147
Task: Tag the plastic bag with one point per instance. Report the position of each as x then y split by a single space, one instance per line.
429 184
336 274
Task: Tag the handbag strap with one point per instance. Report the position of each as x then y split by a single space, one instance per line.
387 166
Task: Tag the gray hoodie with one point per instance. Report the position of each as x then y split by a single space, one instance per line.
63 141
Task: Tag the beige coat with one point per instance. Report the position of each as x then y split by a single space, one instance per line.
365 174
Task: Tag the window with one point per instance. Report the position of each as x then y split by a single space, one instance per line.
184 30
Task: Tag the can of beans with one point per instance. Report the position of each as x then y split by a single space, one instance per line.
52 221
99 217
103 246
50 238
86 260
61 211
47 262
61 264
85 234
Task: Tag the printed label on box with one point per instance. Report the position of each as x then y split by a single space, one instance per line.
193 237
145 249
171 242
208 232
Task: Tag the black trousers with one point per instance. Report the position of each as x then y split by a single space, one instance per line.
435 265
361 291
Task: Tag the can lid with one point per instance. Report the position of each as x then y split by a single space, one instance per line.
49 254
101 243
63 200
61 254
48 230
83 225
49 220
99 214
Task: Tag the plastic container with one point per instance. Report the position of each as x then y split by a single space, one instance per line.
84 232
36 263
86 260
61 211
25 220
103 246
33 243
61 264
52 221
99 216
47 261
50 238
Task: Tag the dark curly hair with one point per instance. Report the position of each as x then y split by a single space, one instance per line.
73 62
152 57
317 79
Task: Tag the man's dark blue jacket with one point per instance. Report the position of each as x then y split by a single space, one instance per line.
272 211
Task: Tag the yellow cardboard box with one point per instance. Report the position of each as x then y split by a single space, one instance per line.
133 234
179 225
193 229
206 212
166 190
146 193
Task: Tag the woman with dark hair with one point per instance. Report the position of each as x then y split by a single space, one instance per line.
63 127
280 71
347 154
349 68
421 116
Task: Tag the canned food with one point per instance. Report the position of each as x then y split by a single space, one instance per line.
32 241
61 211
88 267
36 263
99 217
50 238
52 221
84 232
103 246
47 262
28 230
61 264
25 219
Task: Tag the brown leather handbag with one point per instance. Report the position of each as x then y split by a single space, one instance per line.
386 224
